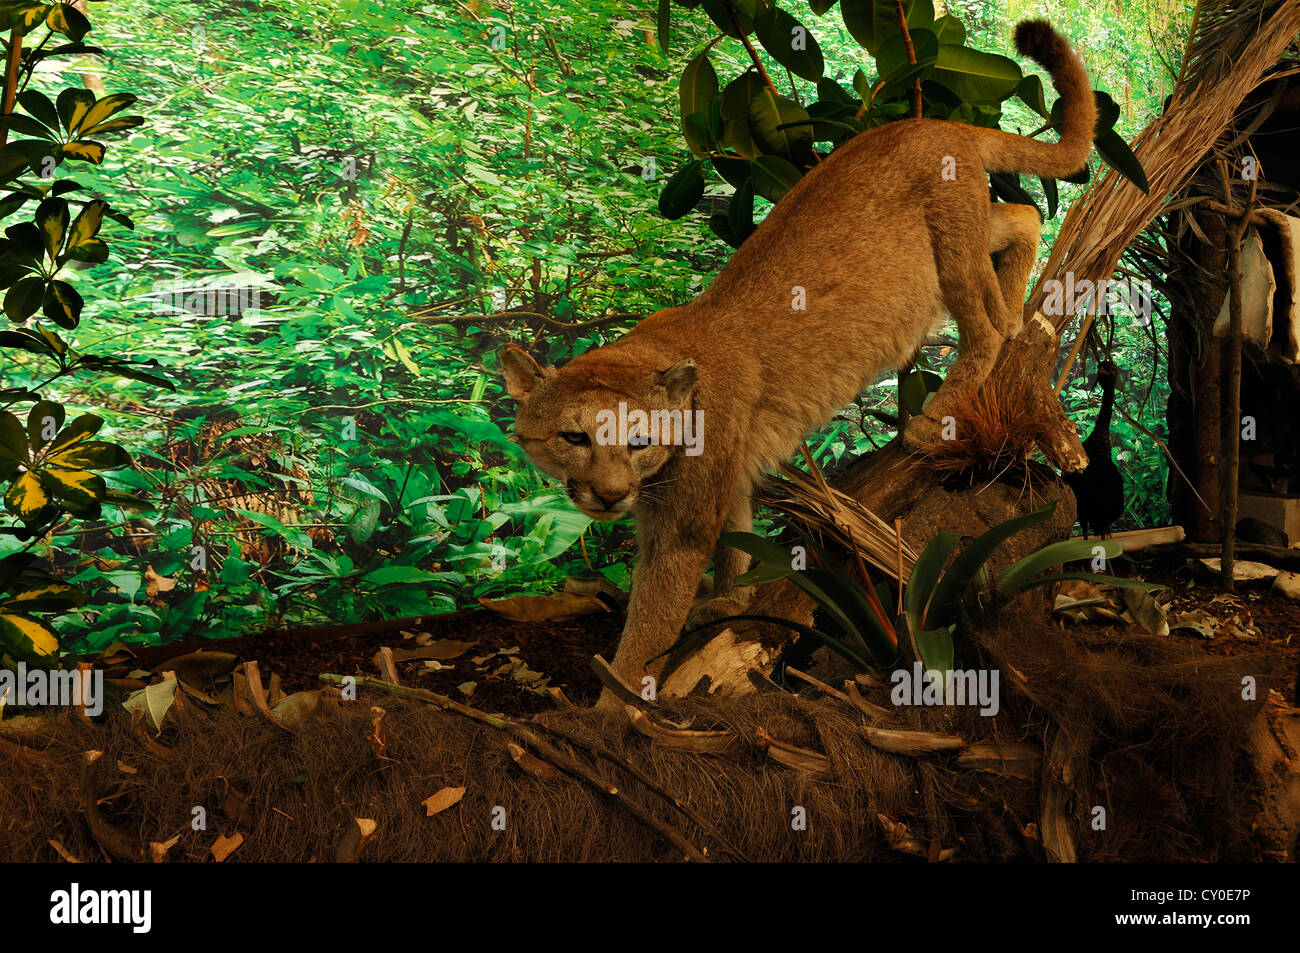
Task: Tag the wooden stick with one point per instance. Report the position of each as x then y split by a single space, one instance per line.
818 684
1230 419
564 762
916 95
11 81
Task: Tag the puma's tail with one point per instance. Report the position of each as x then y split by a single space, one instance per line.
1004 152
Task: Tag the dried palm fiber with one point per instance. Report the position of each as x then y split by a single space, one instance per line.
1233 46
834 515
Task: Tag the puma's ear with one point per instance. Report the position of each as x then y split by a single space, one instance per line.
520 371
678 380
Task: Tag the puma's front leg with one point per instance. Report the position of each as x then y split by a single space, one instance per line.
728 563
671 559
663 588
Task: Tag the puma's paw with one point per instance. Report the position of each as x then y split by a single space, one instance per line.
718 607
922 433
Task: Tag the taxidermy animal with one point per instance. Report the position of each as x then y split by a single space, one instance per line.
844 278
1099 488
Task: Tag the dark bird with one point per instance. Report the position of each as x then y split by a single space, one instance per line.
1099 489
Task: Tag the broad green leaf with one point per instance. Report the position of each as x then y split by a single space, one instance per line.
101 110
82 428
1030 92
935 648
777 123
90 454
62 304
87 223
1021 573
44 415
24 297
942 610
79 487
976 76
1117 154
773 177
73 104
736 134
84 151
950 29
698 86
13 438
926 571
791 44
871 22
41 107
683 191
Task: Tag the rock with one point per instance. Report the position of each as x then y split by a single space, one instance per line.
1243 570
1288 583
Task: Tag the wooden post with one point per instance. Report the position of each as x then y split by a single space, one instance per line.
1237 221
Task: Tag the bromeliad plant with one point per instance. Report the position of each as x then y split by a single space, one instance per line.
762 141
49 467
942 594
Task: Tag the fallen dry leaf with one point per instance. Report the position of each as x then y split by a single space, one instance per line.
293 710
354 838
154 583
225 846
158 850
442 650
467 688
442 800
556 607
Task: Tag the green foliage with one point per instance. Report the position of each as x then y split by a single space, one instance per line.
943 592
51 470
399 188
754 135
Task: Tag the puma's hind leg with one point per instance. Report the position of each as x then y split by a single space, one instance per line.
973 296
1014 231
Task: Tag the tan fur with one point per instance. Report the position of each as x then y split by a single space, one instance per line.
882 245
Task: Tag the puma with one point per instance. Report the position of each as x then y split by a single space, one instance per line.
879 240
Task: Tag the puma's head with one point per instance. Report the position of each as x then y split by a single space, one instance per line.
602 424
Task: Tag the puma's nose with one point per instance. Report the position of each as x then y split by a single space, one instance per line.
609 497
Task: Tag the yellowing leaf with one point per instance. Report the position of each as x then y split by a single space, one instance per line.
92 152
27 495
105 108
27 634
75 486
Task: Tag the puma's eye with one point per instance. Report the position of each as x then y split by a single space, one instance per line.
577 438
637 442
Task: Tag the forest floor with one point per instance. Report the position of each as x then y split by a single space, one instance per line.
496 664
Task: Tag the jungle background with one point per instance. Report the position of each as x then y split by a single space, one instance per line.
388 177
